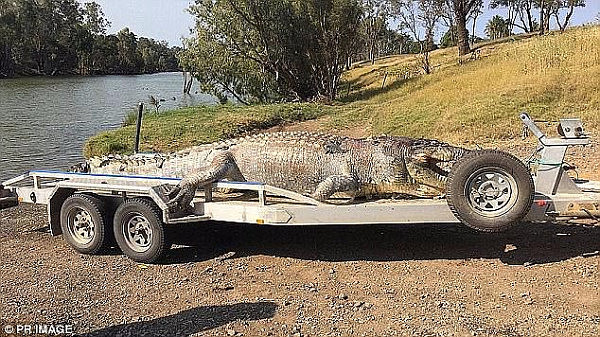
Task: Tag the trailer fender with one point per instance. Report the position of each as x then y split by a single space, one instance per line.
57 198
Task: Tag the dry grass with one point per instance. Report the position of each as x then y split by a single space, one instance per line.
550 77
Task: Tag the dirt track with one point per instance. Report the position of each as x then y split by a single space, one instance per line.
538 280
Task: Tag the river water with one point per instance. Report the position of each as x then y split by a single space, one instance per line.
44 122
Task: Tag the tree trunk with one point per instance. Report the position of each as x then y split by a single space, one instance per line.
187 82
6 62
530 20
542 19
462 34
564 26
474 26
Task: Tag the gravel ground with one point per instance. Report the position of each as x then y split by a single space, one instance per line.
227 280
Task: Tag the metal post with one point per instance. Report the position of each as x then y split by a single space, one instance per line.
138 128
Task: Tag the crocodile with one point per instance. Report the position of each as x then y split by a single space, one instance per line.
318 165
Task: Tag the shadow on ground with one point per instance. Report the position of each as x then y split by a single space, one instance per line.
191 321
525 245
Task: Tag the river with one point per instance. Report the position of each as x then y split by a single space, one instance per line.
44 121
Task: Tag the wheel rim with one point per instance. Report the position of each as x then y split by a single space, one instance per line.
491 192
137 232
81 225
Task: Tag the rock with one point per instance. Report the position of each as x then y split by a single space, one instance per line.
231 332
358 304
343 296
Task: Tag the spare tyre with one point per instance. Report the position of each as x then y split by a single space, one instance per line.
490 190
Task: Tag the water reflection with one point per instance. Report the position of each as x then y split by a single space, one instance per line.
45 121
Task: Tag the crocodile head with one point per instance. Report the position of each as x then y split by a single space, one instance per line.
429 163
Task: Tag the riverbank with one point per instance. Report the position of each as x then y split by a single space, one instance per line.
181 128
475 101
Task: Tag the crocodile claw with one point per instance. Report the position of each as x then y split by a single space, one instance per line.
180 197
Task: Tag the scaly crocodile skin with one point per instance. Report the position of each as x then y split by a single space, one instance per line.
314 164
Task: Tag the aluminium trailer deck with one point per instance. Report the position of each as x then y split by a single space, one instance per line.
272 206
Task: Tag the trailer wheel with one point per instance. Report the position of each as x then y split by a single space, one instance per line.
139 230
83 224
490 190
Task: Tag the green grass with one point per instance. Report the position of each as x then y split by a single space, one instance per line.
552 76
176 129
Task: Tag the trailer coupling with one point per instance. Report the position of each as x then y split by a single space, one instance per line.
8 198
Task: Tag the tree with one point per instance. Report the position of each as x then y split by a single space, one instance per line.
462 9
420 18
473 15
449 38
8 37
569 7
497 27
93 18
271 49
514 7
50 37
374 22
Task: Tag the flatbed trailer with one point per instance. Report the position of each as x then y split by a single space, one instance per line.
87 205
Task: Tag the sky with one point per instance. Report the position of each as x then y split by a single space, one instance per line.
165 20
168 20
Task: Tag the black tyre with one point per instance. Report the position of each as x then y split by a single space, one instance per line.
139 230
83 223
490 190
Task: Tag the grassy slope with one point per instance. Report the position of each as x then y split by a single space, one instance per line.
176 129
551 76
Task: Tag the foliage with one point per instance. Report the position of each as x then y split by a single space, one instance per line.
420 16
523 10
449 38
374 24
263 51
49 37
497 27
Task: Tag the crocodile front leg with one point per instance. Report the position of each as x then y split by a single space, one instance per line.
222 166
334 184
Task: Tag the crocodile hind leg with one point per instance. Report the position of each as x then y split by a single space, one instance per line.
334 184
222 166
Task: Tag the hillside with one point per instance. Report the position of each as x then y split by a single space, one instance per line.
552 76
